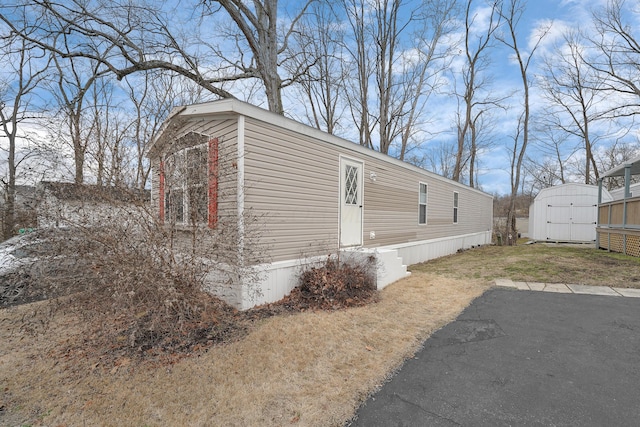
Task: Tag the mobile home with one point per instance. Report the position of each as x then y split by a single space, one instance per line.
310 193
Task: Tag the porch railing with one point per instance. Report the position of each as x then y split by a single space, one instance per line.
618 228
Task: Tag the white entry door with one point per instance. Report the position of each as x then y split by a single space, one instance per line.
351 202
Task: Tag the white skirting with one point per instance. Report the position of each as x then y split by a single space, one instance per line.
277 279
415 252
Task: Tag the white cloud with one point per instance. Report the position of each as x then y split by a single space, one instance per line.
38 159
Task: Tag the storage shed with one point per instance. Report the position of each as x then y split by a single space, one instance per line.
565 213
311 194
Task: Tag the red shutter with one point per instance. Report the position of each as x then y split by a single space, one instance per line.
161 193
213 183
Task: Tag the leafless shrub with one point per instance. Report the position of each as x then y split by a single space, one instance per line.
337 283
137 283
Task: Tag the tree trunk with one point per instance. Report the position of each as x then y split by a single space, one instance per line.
9 217
472 156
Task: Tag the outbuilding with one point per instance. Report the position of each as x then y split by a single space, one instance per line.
565 213
231 166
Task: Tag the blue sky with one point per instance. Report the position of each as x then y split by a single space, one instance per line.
494 161
563 15
494 175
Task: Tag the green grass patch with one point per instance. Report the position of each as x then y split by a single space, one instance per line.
540 262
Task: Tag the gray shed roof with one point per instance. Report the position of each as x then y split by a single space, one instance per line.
619 170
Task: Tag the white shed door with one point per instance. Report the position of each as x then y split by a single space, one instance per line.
559 222
571 222
351 202
583 222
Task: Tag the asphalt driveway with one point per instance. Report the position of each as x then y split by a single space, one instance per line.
521 358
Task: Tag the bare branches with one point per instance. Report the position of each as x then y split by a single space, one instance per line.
617 58
392 79
474 105
29 68
135 38
571 85
511 14
260 30
316 58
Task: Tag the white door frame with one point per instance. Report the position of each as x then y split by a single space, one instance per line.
350 215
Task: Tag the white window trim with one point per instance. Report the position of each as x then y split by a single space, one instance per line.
426 202
184 185
456 206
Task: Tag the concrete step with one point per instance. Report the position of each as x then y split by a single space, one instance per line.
390 267
388 264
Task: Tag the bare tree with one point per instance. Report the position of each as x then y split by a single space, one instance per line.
152 97
617 62
439 159
319 43
357 45
72 84
614 155
545 172
421 71
259 24
129 37
26 69
511 14
392 79
109 131
482 138
406 77
572 89
474 103
549 165
387 31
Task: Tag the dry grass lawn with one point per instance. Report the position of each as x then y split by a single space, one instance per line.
310 369
306 369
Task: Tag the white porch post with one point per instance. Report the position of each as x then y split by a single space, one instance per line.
598 212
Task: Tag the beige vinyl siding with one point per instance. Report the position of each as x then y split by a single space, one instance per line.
290 195
391 206
292 183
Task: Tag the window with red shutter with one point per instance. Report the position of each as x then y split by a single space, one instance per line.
188 182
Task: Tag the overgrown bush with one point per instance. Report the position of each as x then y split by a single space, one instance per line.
138 284
337 284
